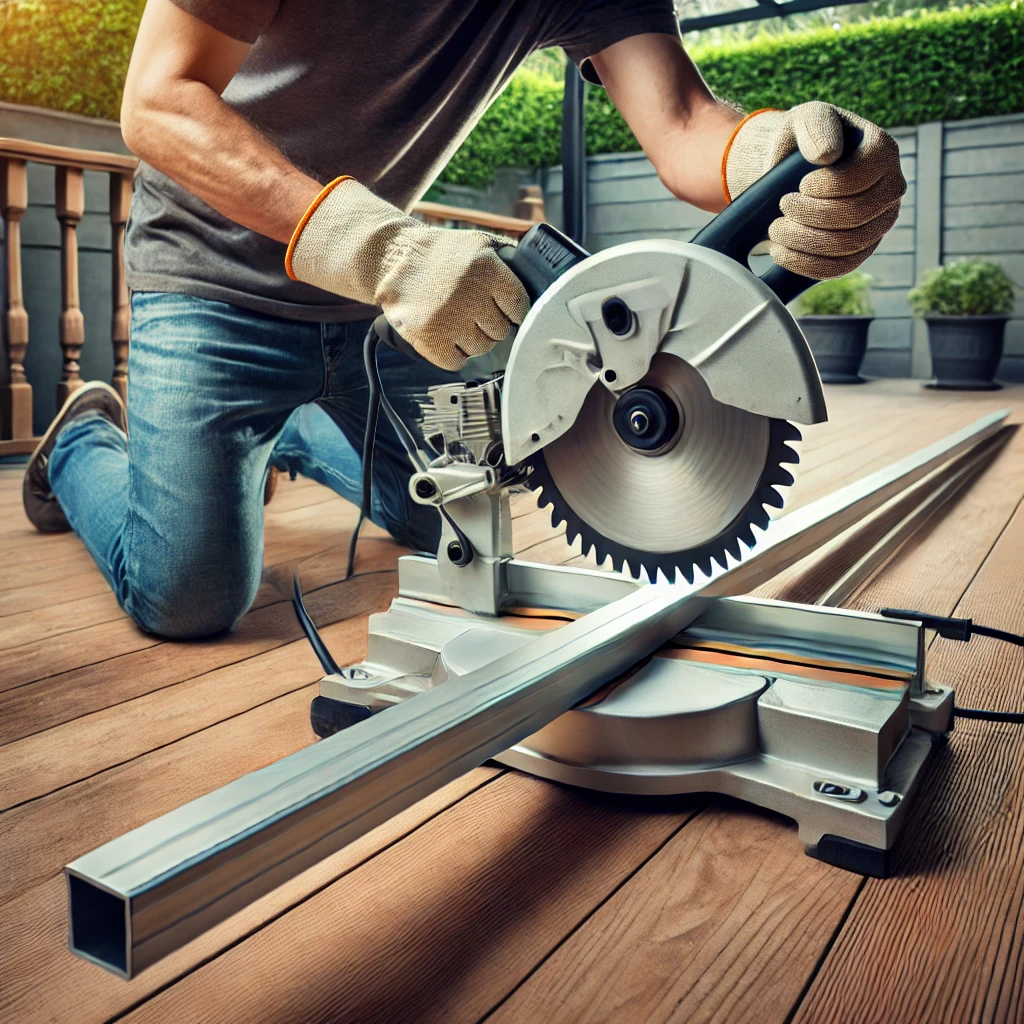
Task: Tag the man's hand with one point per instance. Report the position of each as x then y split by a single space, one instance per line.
446 292
842 211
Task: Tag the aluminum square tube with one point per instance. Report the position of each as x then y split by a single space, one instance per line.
150 891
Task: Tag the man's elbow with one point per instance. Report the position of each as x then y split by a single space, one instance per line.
689 188
133 120
144 106
669 175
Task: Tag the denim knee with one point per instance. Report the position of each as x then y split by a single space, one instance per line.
192 604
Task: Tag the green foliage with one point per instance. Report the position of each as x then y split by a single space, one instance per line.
925 65
67 55
964 288
842 296
922 66
522 128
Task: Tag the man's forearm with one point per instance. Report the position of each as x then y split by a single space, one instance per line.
682 128
689 158
196 139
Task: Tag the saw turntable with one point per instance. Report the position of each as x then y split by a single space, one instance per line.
651 399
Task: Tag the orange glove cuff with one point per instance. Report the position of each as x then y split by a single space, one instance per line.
728 146
321 196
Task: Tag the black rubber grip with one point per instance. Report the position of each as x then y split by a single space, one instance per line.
745 222
390 337
542 256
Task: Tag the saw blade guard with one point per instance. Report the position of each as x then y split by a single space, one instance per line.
603 321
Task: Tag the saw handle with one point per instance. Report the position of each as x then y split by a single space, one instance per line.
542 256
744 223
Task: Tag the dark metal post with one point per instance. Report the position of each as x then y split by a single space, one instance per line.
574 157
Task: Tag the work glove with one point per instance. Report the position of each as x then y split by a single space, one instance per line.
842 211
445 291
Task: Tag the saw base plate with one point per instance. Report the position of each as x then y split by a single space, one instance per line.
818 714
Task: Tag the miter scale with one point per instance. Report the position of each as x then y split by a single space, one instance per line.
651 399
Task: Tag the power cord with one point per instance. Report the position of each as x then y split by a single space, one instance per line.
962 630
378 400
323 655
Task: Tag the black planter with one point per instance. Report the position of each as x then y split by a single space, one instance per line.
838 344
965 351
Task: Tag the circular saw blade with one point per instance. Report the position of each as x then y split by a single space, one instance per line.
678 507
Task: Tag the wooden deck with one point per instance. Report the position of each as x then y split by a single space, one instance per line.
501 897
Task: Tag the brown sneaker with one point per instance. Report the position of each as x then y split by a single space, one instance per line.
41 507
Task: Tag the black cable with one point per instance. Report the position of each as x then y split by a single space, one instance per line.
327 662
1013 717
1000 634
962 630
379 400
369 436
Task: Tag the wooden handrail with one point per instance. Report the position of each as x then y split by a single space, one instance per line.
15 155
438 213
66 156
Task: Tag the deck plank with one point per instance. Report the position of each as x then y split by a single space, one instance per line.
723 925
521 898
944 939
471 900
49 760
41 704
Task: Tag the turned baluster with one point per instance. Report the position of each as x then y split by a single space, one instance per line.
16 394
530 205
120 200
70 207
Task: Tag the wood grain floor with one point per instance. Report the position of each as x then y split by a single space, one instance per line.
501 897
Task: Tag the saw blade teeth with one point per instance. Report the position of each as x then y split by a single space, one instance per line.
731 541
788 431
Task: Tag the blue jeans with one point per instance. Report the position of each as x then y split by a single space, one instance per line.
173 513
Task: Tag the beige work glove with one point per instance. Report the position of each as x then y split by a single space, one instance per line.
842 211
445 291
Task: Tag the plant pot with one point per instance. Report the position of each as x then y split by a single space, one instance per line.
965 351
838 344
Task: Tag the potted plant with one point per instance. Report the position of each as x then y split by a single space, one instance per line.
834 316
966 305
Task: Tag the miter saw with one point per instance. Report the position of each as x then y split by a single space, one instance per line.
650 399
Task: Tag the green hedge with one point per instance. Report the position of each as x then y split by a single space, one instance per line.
924 66
71 55
67 55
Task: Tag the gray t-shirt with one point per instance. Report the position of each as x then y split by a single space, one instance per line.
381 90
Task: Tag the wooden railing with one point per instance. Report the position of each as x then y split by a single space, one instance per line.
16 435
15 155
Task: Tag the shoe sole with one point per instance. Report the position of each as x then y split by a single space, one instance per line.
59 421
